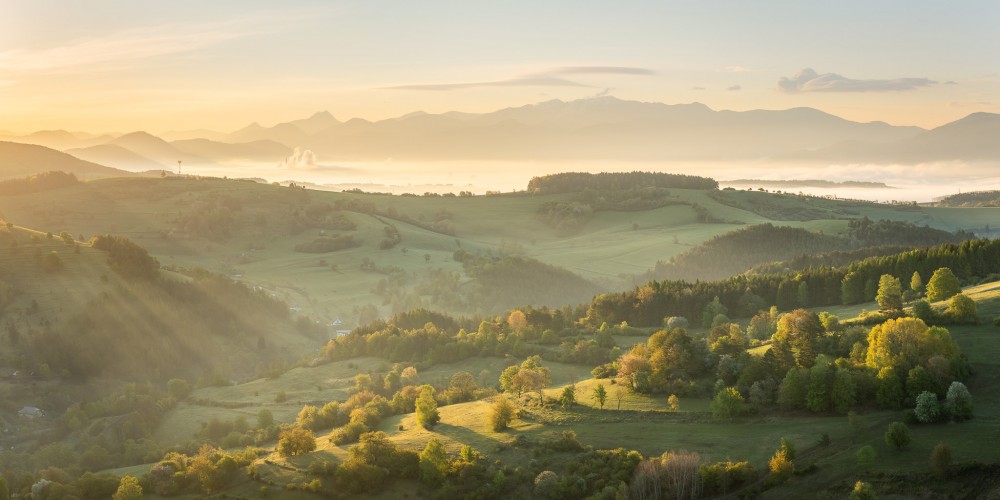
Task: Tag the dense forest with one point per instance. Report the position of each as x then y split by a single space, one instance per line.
973 199
575 182
858 282
736 252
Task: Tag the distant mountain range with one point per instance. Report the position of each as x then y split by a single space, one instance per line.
599 128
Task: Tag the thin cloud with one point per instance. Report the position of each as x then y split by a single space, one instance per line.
131 44
513 82
697 88
734 88
735 69
554 77
600 70
808 80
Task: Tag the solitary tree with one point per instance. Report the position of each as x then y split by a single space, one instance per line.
600 395
866 455
620 394
890 293
568 396
427 412
959 401
962 309
296 441
781 467
128 489
503 413
898 435
265 419
674 402
943 285
941 460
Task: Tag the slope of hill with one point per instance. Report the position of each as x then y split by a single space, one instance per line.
972 138
116 156
22 160
149 146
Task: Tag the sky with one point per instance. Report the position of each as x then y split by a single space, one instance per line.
123 65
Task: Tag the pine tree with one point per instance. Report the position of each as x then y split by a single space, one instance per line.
890 293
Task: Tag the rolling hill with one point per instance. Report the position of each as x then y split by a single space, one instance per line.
118 157
21 160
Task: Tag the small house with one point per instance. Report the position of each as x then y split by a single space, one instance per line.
30 412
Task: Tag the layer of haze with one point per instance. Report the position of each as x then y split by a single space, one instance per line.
118 66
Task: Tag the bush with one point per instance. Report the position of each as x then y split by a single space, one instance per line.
781 467
959 401
928 410
728 404
941 460
866 455
863 491
898 436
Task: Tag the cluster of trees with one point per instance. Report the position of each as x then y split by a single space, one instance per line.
400 341
127 258
814 363
858 282
973 199
571 182
318 215
503 283
207 472
734 252
671 361
568 217
214 217
37 183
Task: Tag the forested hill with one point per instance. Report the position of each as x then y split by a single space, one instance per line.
736 252
647 305
572 182
974 199
103 308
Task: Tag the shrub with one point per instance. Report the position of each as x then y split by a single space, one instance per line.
781 467
941 460
866 455
898 435
959 401
728 404
863 491
928 410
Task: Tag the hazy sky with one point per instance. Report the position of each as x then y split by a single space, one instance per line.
121 65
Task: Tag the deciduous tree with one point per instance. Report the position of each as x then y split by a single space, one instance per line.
943 285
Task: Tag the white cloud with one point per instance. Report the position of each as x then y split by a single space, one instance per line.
300 158
549 78
808 80
132 44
